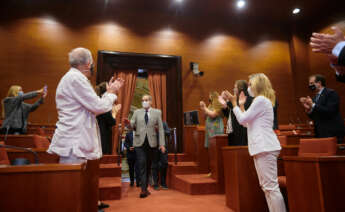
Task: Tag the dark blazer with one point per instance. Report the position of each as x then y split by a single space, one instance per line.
341 57
17 111
129 143
239 135
275 117
340 78
326 115
106 123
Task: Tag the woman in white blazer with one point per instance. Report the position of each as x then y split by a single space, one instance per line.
263 143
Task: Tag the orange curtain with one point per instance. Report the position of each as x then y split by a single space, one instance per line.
124 98
157 86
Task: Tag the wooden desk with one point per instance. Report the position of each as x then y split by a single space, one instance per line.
201 154
216 160
27 141
242 189
315 183
45 187
43 156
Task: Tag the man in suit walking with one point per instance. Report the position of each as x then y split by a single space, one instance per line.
145 121
132 159
323 109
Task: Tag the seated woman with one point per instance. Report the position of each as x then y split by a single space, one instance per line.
214 117
16 112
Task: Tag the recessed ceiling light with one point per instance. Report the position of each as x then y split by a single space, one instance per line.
296 11
241 4
179 1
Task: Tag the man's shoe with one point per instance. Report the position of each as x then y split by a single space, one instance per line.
156 187
102 206
132 184
164 187
138 185
144 194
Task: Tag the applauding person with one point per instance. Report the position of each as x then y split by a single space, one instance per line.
263 143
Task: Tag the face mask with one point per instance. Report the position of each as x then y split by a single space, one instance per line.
20 93
250 92
312 87
91 69
145 104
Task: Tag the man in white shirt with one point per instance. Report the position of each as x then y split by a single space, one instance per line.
77 137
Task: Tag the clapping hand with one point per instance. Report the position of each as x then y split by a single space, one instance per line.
242 98
324 43
222 101
202 105
113 86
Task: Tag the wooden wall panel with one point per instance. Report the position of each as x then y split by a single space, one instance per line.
34 52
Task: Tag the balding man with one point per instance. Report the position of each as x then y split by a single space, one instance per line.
76 138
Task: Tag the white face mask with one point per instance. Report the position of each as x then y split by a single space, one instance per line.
20 93
145 104
250 92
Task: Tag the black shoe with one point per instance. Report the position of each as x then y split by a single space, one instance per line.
132 184
164 187
144 194
138 185
156 187
102 206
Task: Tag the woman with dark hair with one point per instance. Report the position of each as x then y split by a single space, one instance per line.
106 121
237 134
16 112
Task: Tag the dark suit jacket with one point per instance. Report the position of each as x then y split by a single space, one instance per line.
341 57
17 111
105 123
239 135
340 78
326 115
129 143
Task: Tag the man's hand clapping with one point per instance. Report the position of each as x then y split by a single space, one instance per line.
113 86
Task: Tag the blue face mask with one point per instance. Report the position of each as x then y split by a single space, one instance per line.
20 93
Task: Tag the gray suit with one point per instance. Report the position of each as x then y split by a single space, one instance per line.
146 145
142 129
17 111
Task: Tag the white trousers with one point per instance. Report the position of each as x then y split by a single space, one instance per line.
71 159
266 168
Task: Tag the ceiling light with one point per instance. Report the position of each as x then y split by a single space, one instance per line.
179 1
241 4
296 11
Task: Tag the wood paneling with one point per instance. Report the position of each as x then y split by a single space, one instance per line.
35 47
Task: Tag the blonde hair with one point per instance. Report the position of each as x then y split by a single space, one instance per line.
261 86
215 104
12 92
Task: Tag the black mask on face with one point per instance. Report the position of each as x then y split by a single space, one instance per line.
312 87
92 69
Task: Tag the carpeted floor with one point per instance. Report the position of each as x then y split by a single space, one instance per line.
166 201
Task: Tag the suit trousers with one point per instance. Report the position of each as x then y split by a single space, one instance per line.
266 168
133 168
147 156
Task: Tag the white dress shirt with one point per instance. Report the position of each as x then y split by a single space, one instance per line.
259 122
77 105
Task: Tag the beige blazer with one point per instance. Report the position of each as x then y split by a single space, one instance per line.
142 129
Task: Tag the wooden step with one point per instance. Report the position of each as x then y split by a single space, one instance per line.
183 168
110 188
110 170
110 159
181 157
195 184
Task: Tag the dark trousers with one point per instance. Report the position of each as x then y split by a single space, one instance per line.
133 168
163 167
147 156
